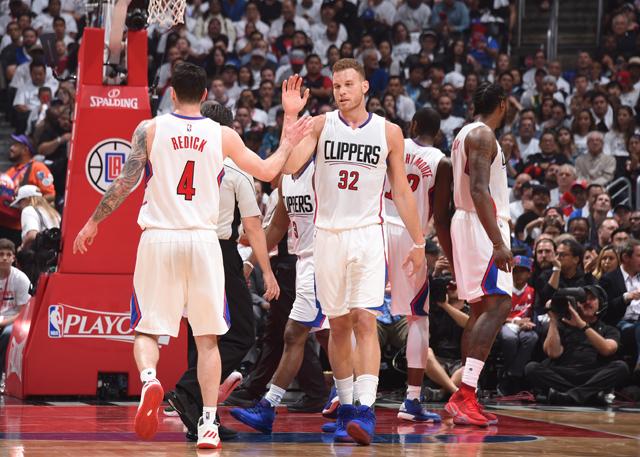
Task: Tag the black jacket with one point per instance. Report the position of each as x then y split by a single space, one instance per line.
614 286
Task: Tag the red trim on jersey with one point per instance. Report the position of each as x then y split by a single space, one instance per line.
381 195
315 196
220 176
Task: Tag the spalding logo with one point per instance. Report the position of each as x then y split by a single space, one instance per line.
113 101
66 321
105 162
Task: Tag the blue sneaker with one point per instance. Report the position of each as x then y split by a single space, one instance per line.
260 416
330 410
412 410
328 427
346 413
363 426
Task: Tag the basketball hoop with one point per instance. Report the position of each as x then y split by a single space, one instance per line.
166 13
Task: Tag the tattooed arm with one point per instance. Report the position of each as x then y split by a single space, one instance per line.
121 187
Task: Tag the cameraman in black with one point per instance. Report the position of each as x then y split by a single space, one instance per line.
581 368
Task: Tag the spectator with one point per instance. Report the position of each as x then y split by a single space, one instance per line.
567 144
605 262
602 112
620 237
577 200
14 290
545 253
520 196
403 45
509 146
565 177
44 22
615 140
623 284
517 338
596 167
450 17
449 123
320 86
605 231
11 43
538 164
405 107
527 143
539 63
567 271
288 14
26 98
583 123
36 214
600 210
377 77
234 9
540 197
578 227
580 348
622 214
414 14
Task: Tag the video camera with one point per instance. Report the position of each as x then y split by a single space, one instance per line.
438 288
564 297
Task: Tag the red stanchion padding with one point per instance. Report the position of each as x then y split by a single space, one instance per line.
76 327
78 324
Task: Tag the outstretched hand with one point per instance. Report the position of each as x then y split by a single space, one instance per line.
292 101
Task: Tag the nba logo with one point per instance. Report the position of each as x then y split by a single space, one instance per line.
113 166
56 318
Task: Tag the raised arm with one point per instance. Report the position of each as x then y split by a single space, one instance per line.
442 206
293 103
250 162
121 187
481 149
278 226
403 196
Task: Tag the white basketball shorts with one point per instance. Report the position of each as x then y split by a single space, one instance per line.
350 269
409 294
476 273
306 308
178 269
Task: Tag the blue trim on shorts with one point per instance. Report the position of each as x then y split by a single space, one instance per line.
319 319
419 301
136 314
490 280
227 317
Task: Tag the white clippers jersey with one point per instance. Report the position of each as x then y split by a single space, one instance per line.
498 187
351 166
421 163
299 199
183 174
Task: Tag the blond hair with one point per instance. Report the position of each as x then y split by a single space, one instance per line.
39 202
346 64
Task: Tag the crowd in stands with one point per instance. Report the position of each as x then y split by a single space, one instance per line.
570 131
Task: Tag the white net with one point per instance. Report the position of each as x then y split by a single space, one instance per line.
166 13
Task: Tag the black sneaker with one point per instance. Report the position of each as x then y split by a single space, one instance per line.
307 405
185 409
241 397
226 434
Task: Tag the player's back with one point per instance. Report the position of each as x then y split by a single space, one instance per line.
183 174
498 187
351 166
299 200
421 163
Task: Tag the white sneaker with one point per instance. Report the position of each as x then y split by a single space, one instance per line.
229 385
208 437
146 421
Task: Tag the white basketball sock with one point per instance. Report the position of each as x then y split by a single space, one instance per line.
148 374
366 388
413 392
275 394
471 372
344 388
209 414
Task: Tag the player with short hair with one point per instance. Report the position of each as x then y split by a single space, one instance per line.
179 262
429 175
355 151
481 243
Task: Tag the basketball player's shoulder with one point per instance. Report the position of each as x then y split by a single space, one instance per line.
481 139
318 123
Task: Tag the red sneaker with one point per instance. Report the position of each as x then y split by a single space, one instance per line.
465 410
146 422
492 418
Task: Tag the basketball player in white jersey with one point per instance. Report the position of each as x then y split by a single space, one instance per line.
355 151
481 244
294 212
179 263
429 175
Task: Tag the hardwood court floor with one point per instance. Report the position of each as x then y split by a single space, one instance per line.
77 429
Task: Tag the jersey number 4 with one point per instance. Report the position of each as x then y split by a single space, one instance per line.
185 185
348 180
